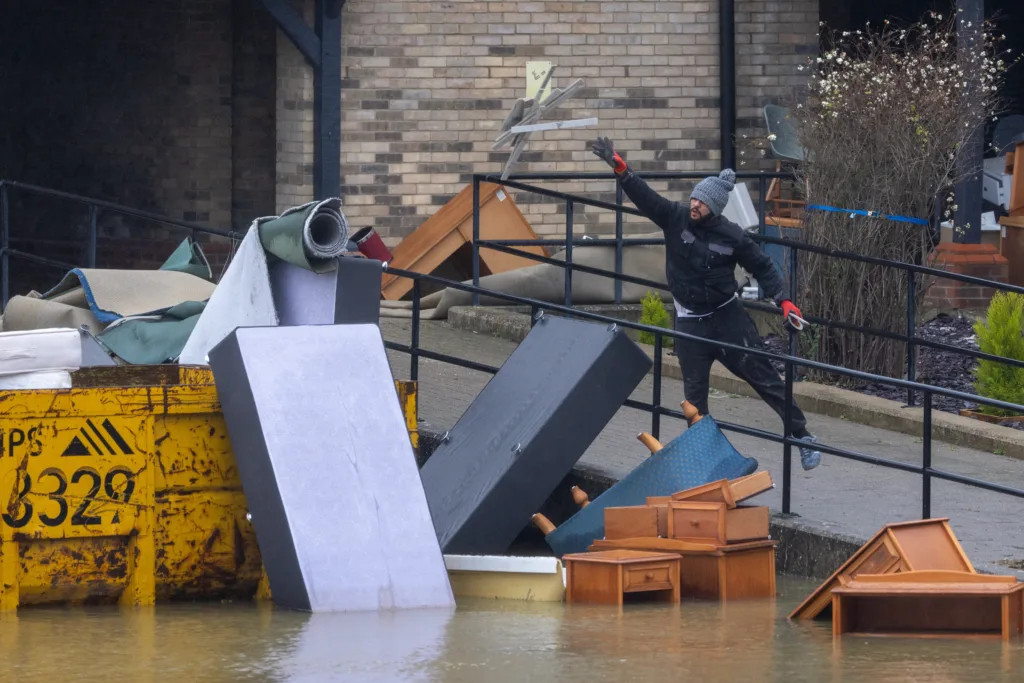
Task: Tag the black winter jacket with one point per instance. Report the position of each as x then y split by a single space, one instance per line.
700 260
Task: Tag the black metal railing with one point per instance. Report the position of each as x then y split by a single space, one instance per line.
913 271
654 407
94 207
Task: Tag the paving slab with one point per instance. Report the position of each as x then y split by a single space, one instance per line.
842 496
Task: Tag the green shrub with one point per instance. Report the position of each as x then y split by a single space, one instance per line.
1002 335
655 315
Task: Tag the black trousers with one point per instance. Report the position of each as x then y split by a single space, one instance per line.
731 324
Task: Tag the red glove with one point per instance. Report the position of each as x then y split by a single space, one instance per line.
789 309
620 165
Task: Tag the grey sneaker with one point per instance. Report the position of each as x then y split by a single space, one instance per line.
809 457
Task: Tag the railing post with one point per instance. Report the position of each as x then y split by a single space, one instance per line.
414 343
618 241
5 246
533 315
476 238
911 331
761 228
926 459
787 417
568 252
656 389
90 250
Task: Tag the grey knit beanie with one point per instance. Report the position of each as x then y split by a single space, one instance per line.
714 191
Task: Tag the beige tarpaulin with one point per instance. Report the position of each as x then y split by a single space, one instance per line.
113 294
546 282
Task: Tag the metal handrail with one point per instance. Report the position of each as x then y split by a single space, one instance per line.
926 470
94 206
909 337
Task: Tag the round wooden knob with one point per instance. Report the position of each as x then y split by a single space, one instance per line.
648 576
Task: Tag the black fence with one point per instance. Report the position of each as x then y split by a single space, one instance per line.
94 207
654 407
913 271
538 308
790 361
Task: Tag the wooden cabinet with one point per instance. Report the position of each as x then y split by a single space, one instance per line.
606 577
929 604
707 571
927 544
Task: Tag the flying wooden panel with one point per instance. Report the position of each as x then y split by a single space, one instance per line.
446 238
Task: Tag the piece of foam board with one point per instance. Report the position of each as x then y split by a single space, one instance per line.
526 429
699 455
349 294
49 350
328 469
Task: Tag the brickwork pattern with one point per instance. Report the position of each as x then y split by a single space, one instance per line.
167 107
253 125
976 260
294 118
428 84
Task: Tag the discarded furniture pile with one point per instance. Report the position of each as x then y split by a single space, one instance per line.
914 579
699 542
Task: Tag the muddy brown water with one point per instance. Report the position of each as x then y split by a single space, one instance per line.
481 640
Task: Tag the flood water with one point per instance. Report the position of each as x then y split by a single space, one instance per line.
481 640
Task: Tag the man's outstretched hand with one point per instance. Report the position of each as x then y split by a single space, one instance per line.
792 314
603 148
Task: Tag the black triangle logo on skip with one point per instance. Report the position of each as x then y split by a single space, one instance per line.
91 441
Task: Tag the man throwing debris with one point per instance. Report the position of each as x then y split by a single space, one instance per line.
702 249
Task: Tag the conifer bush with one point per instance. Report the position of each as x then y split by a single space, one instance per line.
653 314
1002 334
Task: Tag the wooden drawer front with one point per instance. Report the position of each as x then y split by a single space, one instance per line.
647 577
700 520
697 520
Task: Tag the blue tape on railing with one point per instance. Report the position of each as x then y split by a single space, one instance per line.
870 214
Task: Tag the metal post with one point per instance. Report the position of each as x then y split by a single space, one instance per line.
618 241
327 101
911 331
568 253
90 249
414 343
476 238
761 228
5 246
656 391
787 417
533 315
926 476
968 191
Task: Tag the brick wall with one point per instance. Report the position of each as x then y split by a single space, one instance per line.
167 107
428 84
294 120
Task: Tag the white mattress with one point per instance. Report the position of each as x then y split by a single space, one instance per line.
49 350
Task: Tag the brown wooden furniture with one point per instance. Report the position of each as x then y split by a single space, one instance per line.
606 577
729 491
1011 242
903 547
716 522
446 238
631 522
929 603
732 572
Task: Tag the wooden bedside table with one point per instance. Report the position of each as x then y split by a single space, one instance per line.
605 577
